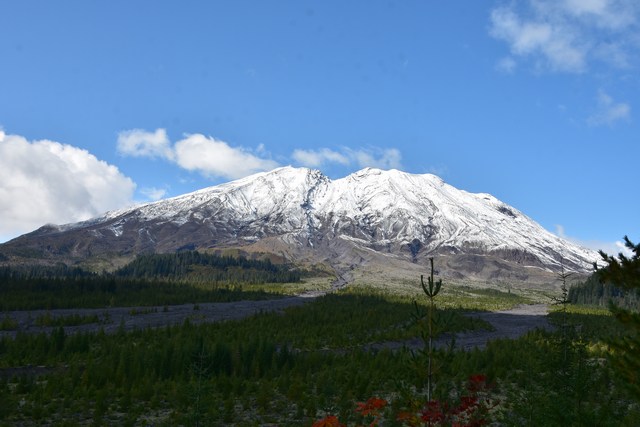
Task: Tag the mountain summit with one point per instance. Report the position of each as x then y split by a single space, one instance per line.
369 218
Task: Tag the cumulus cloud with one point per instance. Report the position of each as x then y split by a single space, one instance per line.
609 111
609 14
555 44
153 194
317 158
198 153
389 158
565 35
140 143
611 248
216 158
49 182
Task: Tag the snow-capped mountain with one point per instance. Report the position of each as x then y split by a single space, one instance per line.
303 215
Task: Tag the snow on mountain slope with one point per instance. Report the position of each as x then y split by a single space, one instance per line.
394 206
390 212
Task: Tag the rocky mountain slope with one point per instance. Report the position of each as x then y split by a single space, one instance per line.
388 219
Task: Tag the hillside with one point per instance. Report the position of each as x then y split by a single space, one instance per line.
371 220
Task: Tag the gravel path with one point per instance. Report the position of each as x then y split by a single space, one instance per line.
509 324
110 319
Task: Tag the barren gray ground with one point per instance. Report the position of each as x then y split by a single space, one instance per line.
507 324
110 319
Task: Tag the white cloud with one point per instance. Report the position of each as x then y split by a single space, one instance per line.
555 44
610 248
48 182
140 143
609 14
153 194
205 155
620 247
609 111
389 158
215 158
566 35
317 158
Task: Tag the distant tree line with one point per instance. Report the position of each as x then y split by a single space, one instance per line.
189 266
36 271
201 267
109 291
594 292
157 279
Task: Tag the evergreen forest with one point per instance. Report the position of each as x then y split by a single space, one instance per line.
149 280
310 365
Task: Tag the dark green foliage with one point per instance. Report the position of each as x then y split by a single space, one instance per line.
200 267
431 291
625 272
157 279
71 320
288 369
191 265
433 287
105 291
42 272
8 324
287 366
595 292
548 385
273 367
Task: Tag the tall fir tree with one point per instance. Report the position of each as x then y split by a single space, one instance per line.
624 271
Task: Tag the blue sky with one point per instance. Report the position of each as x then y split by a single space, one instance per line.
105 104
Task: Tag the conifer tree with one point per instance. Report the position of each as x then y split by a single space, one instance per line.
624 271
431 290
